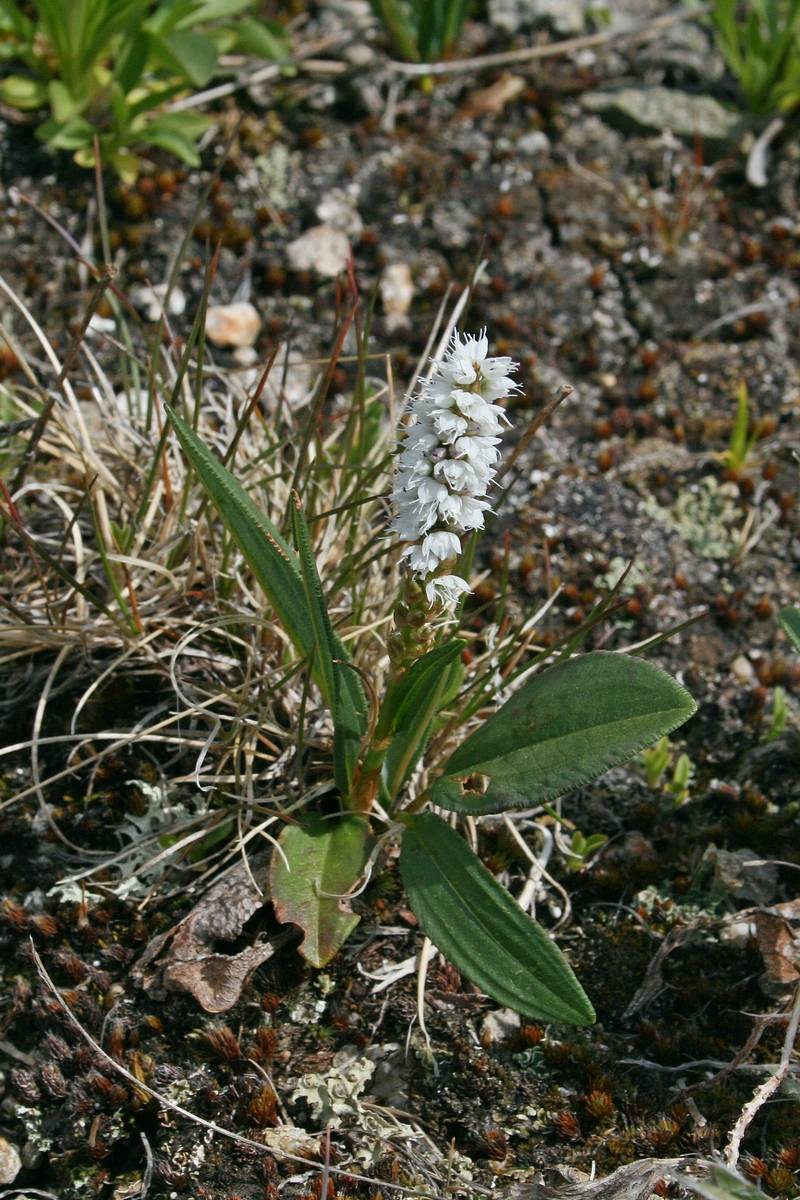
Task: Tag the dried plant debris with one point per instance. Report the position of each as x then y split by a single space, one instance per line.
634 1181
190 962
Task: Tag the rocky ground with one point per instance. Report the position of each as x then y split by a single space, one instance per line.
633 261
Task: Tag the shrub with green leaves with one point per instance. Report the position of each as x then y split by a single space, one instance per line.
568 722
422 30
106 68
760 42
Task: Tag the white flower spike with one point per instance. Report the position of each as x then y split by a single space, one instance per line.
448 459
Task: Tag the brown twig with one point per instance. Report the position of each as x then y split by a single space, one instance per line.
550 49
652 983
765 1089
533 427
736 1063
109 274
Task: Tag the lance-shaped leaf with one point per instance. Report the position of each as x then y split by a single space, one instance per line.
419 710
561 729
790 623
272 561
340 683
414 687
326 862
475 923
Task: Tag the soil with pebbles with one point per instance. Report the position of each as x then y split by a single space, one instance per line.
621 266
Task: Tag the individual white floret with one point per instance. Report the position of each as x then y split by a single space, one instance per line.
446 589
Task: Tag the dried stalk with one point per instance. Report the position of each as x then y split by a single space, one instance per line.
764 1090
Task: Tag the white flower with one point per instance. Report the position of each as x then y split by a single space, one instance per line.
445 589
448 457
434 548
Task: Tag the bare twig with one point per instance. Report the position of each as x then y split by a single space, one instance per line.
533 427
551 49
764 1090
147 1177
165 1102
652 983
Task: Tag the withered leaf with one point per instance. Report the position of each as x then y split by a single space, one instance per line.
191 963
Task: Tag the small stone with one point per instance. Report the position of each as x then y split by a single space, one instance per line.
501 1025
10 1162
338 210
151 301
564 16
742 669
321 248
99 325
397 292
245 356
535 142
232 324
652 110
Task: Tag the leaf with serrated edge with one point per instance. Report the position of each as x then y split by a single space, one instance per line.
482 930
326 860
561 729
790 623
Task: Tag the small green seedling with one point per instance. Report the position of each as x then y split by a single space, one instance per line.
682 777
760 42
422 30
656 760
741 443
780 713
582 849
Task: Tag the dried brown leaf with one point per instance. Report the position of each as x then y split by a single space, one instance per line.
191 963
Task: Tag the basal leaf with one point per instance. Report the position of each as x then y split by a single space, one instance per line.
263 38
340 683
481 929
790 623
271 560
561 729
277 569
193 54
326 859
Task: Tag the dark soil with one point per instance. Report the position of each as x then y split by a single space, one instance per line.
602 273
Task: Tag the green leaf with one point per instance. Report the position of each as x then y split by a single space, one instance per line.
71 136
561 729
413 734
724 1185
271 560
340 683
790 624
415 686
261 37
192 54
62 102
131 61
475 923
176 133
18 91
326 860
124 163
212 10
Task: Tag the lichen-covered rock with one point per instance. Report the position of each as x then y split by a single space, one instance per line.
650 110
